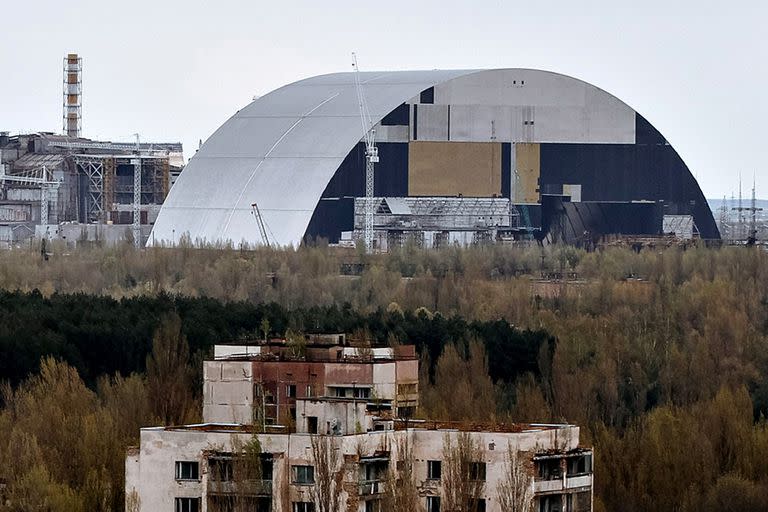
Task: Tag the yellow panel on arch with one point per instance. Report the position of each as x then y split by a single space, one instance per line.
471 169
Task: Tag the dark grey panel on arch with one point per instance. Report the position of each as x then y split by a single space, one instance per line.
628 172
335 210
401 116
332 216
646 133
427 96
390 174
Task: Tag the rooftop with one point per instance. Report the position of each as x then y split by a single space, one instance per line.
312 350
400 425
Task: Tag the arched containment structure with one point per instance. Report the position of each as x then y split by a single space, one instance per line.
465 156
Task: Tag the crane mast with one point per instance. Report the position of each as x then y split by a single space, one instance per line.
261 224
371 156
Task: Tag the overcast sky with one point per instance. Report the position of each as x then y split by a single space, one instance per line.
175 70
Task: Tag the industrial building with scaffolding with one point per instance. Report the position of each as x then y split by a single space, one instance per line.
78 189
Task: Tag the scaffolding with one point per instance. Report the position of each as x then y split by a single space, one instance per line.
93 168
42 177
436 221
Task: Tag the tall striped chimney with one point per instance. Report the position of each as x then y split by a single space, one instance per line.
73 95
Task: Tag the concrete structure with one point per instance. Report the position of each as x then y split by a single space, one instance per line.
347 443
247 384
564 160
49 182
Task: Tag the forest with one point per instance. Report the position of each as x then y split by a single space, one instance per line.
661 356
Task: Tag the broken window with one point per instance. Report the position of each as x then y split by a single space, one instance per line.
373 470
433 504
476 505
361 392
477 471
434 469
548 469
553 503
220 470
581 465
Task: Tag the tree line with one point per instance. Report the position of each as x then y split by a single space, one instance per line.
660 356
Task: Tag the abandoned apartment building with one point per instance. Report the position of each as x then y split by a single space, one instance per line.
334 429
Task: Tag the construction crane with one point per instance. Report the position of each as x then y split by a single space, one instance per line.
371 156
260 222
137 194
39 176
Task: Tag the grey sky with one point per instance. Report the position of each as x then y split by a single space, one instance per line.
175 70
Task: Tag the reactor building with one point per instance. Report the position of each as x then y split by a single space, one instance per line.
465 157
68 187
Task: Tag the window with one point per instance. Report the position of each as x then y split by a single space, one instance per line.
303 474
434 469
549 469
583 502
362 392
290 390
477 471
433 504
312 424
300 506
371 471
476 505
406 412
553 503
310 391
221 470
579 465
187 504
267 466
373 506
187 470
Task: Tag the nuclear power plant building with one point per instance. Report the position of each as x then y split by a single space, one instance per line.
464 157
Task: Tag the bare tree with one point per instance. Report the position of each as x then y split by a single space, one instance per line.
329 474
132 501
464 474
402 492
515 490
169 376
237 478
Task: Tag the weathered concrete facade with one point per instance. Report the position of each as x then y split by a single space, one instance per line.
343 438
263 383
150 473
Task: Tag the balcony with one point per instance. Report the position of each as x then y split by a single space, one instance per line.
577 481
562 484
371 487
244 488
